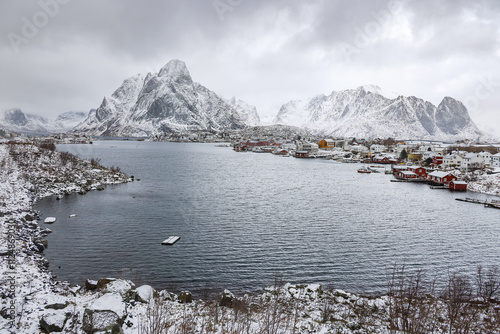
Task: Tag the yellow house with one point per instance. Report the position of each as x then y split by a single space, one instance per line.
414 156
326 143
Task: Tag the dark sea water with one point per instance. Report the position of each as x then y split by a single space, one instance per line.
245 217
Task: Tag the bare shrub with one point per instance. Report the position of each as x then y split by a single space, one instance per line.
411 306
95 162
462 315
488 283
157 318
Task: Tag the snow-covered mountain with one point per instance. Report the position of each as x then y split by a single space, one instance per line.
247 112
164 102
369 112
17 121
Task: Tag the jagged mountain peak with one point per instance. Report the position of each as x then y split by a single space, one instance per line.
164 102
177 71
369 111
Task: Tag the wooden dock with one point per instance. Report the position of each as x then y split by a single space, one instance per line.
493 204
170 240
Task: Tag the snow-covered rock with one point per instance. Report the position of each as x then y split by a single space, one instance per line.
145 292
53 321
164 102
369 112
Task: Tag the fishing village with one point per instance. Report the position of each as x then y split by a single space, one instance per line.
438 164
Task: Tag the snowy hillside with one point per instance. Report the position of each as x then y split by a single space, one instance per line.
164 102
247 112
17 121
369 112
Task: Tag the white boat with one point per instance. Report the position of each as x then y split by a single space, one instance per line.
49 220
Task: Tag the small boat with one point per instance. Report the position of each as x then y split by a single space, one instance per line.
170 240
364 170
50 220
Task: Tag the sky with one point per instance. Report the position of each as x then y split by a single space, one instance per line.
66 55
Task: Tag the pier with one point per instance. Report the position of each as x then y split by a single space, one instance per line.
493 204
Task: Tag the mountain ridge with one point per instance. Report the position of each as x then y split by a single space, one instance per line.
366 113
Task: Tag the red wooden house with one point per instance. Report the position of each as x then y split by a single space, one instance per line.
437 159
458 185
441 177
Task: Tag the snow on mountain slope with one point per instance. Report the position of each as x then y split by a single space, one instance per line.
369 112
165 102
17 121
247 112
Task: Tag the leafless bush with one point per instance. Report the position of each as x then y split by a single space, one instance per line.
157 318
488 283
411 306
461 313
95 162
66 157
114 169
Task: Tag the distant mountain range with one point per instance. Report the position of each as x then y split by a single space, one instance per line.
169 102
17 121
368 112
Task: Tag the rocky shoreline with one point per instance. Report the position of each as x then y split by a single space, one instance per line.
33 300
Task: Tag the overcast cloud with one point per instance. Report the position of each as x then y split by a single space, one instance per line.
262 51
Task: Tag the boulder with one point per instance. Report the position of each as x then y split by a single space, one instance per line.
185 297
95 321
57 306
103 282
119 286
90 285
54 321
104 313
227 299
145 293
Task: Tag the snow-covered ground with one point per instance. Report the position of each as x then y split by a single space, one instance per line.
33 301
481 182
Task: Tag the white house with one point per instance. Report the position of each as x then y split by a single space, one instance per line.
495 160
471 161
310 147
452 160
486 156
359 148
377 148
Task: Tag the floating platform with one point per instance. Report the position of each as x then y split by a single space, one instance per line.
170 240
50 220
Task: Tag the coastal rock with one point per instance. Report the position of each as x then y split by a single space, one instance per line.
106 311
145 293
57 306
95 321
103 282
227 299
185 297
119 286
90 285
53 321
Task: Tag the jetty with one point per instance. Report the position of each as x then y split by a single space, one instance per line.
170 240
493 204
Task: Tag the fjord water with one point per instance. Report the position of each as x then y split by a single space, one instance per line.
245 217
